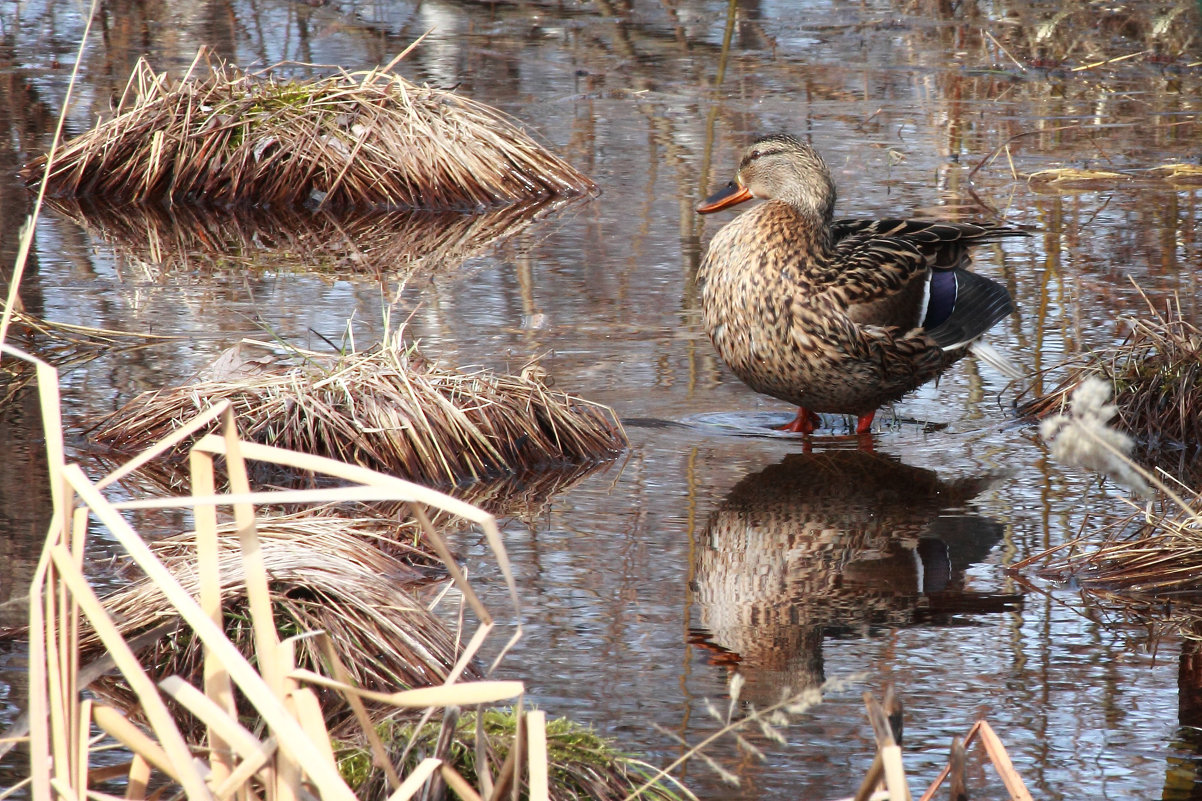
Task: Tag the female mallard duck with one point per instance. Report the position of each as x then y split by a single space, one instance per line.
837 315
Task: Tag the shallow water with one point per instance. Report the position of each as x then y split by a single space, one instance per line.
710 547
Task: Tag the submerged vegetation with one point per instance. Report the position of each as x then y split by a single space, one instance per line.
223 137
387 409
581 764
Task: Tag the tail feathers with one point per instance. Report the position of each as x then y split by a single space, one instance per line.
997 360
980 303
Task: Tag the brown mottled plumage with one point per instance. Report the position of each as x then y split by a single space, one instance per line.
837 316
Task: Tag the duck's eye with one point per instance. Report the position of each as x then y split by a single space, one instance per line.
753 155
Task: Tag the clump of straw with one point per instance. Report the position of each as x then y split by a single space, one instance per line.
1156 376
225 137
389 410
346 577
1146 564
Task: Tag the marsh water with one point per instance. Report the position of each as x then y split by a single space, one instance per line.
713 546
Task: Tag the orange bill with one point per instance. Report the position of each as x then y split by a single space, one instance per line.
730 195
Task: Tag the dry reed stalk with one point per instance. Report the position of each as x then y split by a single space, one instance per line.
389 410
997 755
223 137
1156 374
395 243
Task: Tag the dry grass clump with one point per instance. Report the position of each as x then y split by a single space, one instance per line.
389 410
224 137
1154 558
1156 375
346 577
400 243
1145 567
1148 564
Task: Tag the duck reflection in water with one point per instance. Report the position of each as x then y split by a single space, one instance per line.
838 543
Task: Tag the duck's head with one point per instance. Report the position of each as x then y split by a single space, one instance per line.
779 167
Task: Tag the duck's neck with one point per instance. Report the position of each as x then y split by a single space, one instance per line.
812 229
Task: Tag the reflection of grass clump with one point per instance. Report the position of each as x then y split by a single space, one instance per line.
228 138
581 763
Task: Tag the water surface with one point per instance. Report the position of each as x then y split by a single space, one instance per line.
703 551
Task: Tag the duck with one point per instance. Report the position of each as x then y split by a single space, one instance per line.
840 316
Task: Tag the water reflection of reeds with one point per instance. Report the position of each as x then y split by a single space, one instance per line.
183 239
836 543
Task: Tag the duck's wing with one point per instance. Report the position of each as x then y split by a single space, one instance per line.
944 243
910 273
962 306
929 232
877 281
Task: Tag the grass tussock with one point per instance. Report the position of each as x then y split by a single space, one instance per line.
396 243
581 764
223 137
389 410
1153 558
1156 377
1146 565
350 578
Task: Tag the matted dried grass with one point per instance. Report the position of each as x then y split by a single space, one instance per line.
389 410
350 578
397 243
1156 374
1153 556
225 137
1145 567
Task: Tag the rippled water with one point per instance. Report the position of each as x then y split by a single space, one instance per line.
705 550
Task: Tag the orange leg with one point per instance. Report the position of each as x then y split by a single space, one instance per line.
864 423
804 423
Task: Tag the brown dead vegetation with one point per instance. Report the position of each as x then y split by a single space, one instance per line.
1156 374
390 410
224 137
